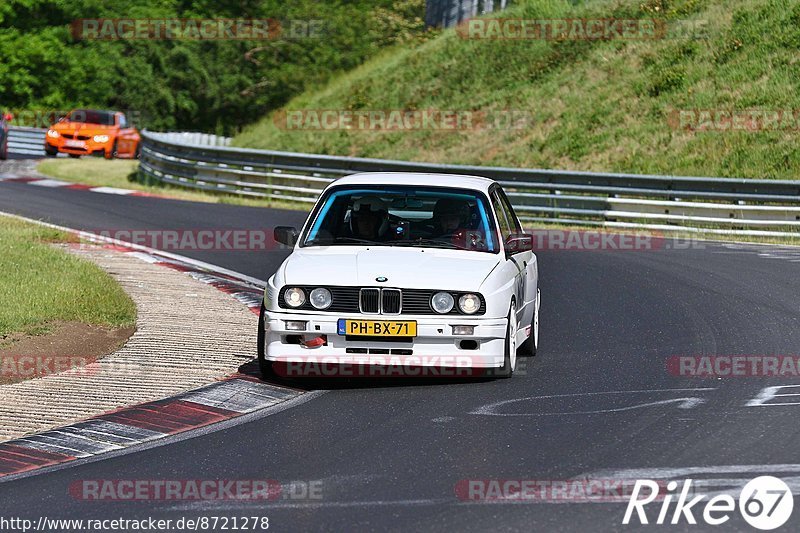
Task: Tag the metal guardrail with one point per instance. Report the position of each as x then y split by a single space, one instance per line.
26 141
666 203
193 138
30 141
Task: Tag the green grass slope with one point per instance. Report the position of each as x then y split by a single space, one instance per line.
40 284
596 105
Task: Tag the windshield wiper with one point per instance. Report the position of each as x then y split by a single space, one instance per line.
428 242
354 239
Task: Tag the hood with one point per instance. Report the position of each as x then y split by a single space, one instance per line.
87 129
407 268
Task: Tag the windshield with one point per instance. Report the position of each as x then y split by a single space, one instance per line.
89 116
430 217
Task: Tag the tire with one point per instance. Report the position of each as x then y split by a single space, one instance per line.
75 156
265 366
531 344
138 151
50 152
4 151
510 359
113 154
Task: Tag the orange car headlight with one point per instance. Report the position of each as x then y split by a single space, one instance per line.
53 134
100 138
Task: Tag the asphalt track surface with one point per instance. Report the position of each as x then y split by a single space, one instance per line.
389 453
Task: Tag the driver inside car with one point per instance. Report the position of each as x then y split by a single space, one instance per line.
369 218
449 215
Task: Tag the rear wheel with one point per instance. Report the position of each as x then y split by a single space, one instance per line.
74 156
264 365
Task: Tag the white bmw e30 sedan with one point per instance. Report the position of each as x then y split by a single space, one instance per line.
425 269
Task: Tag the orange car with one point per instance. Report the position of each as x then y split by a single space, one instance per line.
93 132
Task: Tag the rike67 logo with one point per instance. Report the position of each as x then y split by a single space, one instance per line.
765 503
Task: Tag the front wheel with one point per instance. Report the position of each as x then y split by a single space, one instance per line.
113 153
510 355
264 365
530 346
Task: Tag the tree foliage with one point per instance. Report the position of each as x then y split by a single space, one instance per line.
216 86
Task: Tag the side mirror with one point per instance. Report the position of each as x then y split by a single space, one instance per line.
8 117
518 242
285 235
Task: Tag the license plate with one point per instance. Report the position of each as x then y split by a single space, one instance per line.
74 144
377 328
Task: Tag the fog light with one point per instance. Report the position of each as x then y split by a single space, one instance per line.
296 325
463 330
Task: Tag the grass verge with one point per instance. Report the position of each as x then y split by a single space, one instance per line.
41 285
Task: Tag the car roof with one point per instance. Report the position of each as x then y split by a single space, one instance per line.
417 178
109 111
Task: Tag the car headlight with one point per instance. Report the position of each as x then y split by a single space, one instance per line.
100 138
442 302
469 304
294 297
53 134
321 298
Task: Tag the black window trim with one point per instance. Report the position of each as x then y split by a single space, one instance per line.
312 216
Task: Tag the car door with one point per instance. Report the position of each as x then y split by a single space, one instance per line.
127 138
512 265
524 260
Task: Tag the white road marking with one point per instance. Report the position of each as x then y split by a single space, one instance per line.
112 190
147 258
239 395
686 402
50 183
779 252
731 484
768 393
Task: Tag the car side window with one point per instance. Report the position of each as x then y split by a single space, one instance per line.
123 121
509 212
502 218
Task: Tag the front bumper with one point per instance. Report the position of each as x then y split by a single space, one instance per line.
90 147
434 345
